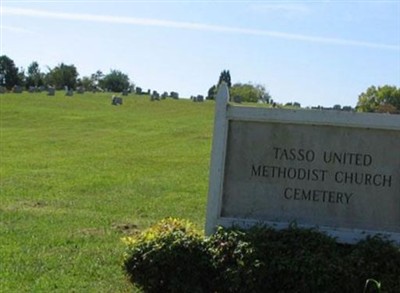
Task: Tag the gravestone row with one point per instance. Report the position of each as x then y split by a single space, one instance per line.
198 98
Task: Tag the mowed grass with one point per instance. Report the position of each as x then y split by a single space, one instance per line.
77 174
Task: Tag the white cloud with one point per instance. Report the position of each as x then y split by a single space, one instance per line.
14 29
193 26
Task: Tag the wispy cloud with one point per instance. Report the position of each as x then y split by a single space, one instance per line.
281 7
15 29
149 22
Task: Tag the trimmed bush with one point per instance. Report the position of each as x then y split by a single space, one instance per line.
173 257
375 258
265 260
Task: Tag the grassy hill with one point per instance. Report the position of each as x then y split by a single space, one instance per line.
77 174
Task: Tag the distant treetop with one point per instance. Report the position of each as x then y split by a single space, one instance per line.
384 99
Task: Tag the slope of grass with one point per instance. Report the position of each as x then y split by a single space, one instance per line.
77 174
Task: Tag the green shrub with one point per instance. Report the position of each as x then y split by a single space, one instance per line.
265 260
236 261
173 257
375 258
169 257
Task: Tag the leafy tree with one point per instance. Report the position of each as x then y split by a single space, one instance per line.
8 72
34 76
115 81
96 78
250 92
131 87
211 93
367 102
263 93
63 75
86 82
21 77
389 95
376 99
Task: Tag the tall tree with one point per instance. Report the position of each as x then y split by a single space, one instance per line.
225 76
21 77
34 76
212 91
9 76
63 75
115 81
96 78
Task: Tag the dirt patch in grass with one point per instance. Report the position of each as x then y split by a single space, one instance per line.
126 228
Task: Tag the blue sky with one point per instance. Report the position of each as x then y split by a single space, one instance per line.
312 52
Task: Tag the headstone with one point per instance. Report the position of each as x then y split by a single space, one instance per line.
32 89
116 100
124 92
335 170
51 91
2 90
164 95
69 93
198 98
96 89
138 90
155 96
174 95
17 89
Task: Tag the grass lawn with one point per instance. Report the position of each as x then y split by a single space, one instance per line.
77 174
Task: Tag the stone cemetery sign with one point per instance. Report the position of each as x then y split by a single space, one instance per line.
334 170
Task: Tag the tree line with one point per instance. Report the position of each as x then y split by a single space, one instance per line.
59 77
381 99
